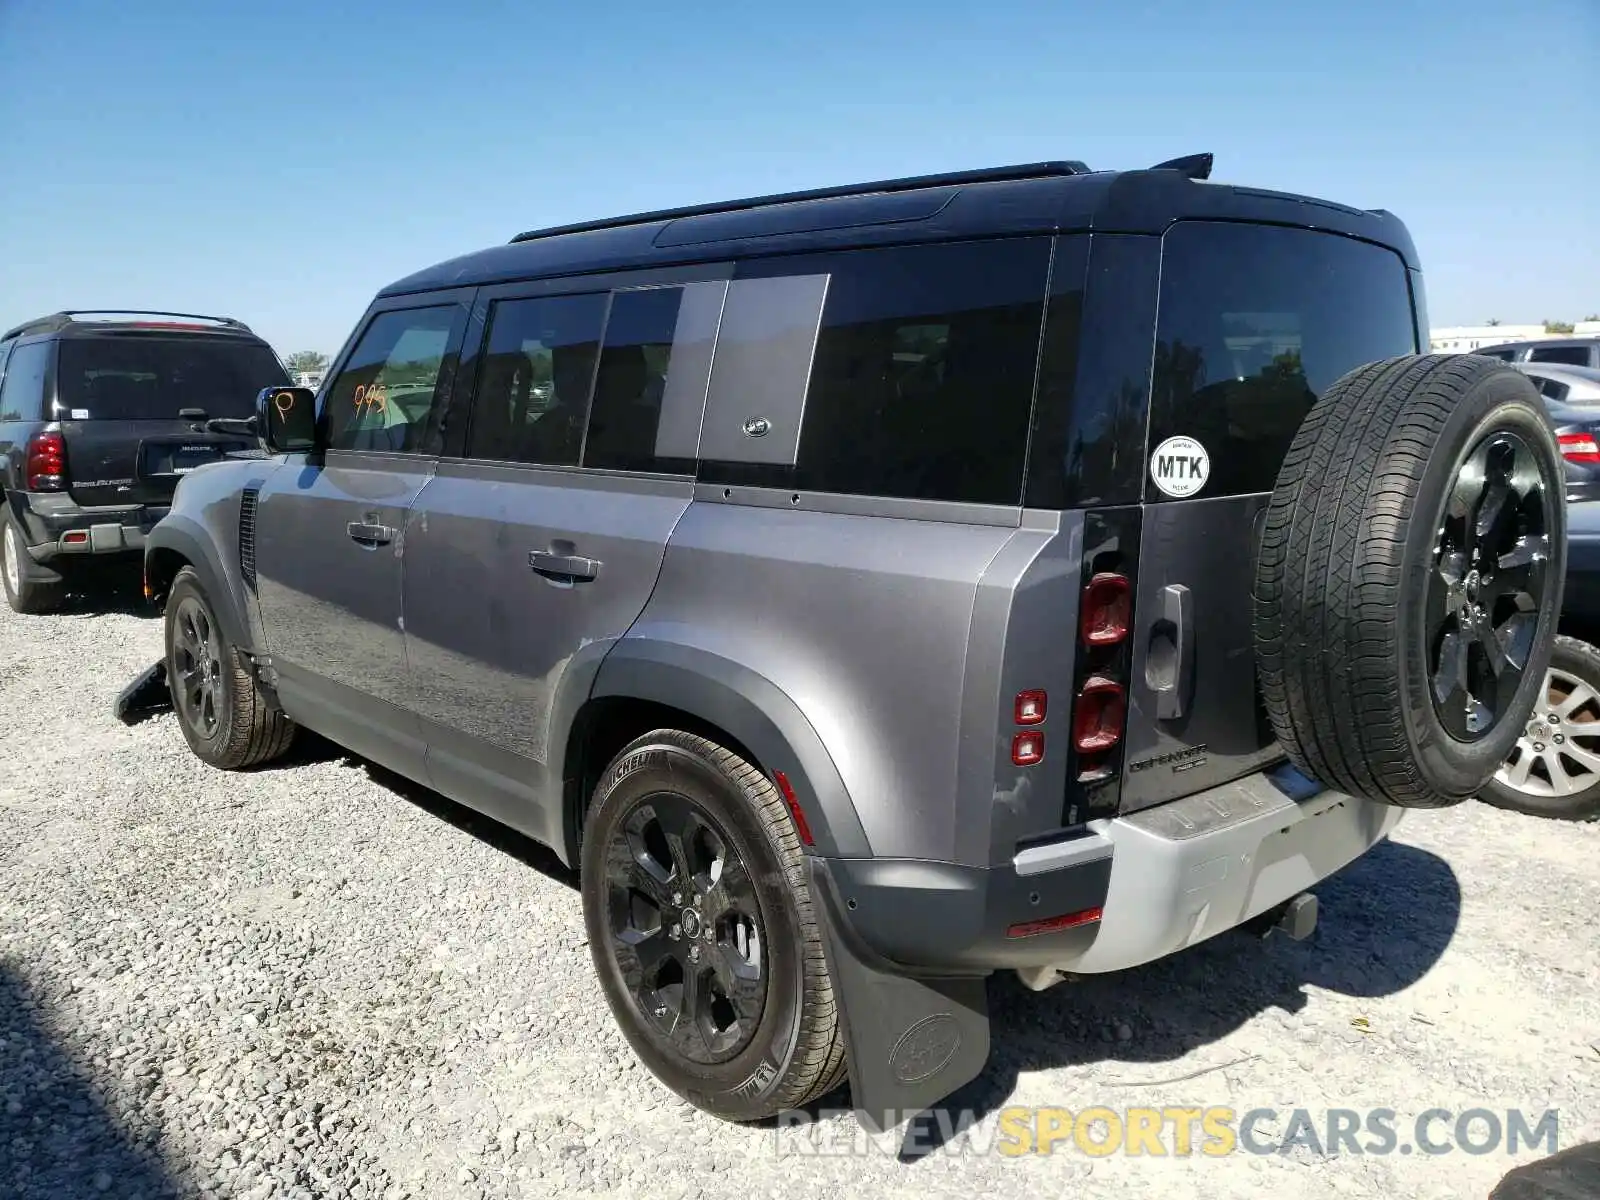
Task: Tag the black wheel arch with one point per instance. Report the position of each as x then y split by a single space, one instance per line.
177 542
724 701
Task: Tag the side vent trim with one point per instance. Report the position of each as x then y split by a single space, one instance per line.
247 536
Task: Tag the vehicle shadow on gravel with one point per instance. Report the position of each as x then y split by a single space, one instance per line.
1385 921
120 598
310 747
58 1139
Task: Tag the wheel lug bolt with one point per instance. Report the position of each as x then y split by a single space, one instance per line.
1553 719
1559 740
694 954
676 933
677 897
1538 747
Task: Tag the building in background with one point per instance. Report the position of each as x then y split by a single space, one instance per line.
1463 339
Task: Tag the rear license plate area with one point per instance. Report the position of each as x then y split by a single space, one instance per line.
173 459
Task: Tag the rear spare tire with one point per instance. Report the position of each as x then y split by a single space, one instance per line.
1409 578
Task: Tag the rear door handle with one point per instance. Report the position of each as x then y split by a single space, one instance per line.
563 568
1169 663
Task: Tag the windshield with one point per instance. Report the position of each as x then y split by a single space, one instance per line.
136 378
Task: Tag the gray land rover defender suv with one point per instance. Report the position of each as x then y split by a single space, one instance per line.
875 588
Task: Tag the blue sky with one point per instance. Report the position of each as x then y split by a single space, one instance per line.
280 162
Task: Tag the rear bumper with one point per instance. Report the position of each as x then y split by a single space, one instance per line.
1164 879
58 528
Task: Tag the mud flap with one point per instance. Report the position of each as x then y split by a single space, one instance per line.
909 1040
146 696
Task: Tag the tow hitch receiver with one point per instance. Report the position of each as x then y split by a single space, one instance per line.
146 696
1297 918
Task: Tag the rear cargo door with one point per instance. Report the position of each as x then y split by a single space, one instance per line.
118 397
1254 322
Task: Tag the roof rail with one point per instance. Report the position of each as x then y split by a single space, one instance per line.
1039 170
70 316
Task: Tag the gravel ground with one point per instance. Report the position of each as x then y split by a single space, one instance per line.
317 980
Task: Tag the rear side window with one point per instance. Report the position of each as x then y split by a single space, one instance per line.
922 380
1573 356
533 386
652 378
141 377
1502 355
1254 323
389 394
22 393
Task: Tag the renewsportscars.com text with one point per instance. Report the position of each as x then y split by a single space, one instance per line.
1177 1131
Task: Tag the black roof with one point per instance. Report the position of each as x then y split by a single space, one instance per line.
128 320
997 201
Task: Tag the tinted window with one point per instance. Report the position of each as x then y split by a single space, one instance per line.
140 377
1577 356
1551 390
922 379
1255 322
389 394
22 394
533 386
632 380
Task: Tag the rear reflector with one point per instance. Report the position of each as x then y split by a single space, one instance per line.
1107 607
1027 749
1030 708
801 825
1050 924
1579 447
1098 716
76 538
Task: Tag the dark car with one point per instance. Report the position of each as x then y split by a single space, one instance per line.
101 413
1567 351
1027 569
1572 398
1554 770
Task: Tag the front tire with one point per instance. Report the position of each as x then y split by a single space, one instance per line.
1554 770
226 717
700 925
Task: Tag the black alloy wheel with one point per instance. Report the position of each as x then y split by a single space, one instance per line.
197 684
1488 584
685 927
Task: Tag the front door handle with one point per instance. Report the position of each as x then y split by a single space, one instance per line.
370 531
563 568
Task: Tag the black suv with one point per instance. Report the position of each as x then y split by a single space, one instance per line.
101 413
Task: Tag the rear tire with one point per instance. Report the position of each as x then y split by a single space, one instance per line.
1409 578
226 717
23 593
1542 778
687 840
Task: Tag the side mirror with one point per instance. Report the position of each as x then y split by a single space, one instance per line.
286 419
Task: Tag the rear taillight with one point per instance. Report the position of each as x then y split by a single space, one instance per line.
46 463
1579 447
1106 609
1098 716
1096 736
